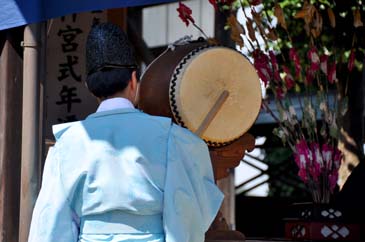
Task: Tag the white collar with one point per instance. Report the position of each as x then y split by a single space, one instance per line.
114 103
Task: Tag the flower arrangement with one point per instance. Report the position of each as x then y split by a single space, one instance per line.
305 75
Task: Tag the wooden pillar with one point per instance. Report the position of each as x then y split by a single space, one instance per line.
220 33
226 184
118 16
34 62
134 24
228 208
224 159
10 132
131 21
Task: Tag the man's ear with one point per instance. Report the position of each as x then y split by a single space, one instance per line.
134 81
135 87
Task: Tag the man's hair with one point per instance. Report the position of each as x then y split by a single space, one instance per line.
106 83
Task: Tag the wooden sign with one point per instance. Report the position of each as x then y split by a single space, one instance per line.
66 97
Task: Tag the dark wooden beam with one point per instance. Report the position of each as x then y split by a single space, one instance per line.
118 16
10 132
220 33
134 26
157 4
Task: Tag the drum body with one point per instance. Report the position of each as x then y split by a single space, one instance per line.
186 83
155 81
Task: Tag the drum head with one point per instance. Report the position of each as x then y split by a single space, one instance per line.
197 83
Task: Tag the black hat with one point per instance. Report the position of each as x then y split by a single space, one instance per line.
108 46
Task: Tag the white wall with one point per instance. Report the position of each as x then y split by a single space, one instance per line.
162 26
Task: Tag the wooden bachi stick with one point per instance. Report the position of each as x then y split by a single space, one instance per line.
212 113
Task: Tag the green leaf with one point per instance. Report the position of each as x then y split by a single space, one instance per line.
334 132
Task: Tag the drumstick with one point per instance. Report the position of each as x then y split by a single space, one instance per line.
211 114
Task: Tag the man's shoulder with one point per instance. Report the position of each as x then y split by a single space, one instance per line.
59 129
153 120
185 134
140 119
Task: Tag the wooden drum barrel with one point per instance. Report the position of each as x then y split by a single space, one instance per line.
213 91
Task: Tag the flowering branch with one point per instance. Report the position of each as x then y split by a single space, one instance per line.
309 73
185 14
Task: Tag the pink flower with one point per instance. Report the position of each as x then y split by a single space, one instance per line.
221 2
293 55
315 171
261 63
327 152
323 65
255 2
331 75
309 76
279 92
302 147
303 158
214 3
314 162
350 65
333 177
185 14
303 175
302 154
299 160
275 66
337 157
317 154
315 168
289 80
227 2
314 59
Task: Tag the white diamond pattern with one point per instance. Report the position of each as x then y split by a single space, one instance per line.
324 213
334 231
335 236
306 213
326 231
334 227
331 213
344 232
298 231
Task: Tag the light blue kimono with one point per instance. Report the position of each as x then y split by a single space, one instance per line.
123 175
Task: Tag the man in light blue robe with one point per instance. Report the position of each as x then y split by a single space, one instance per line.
120 174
